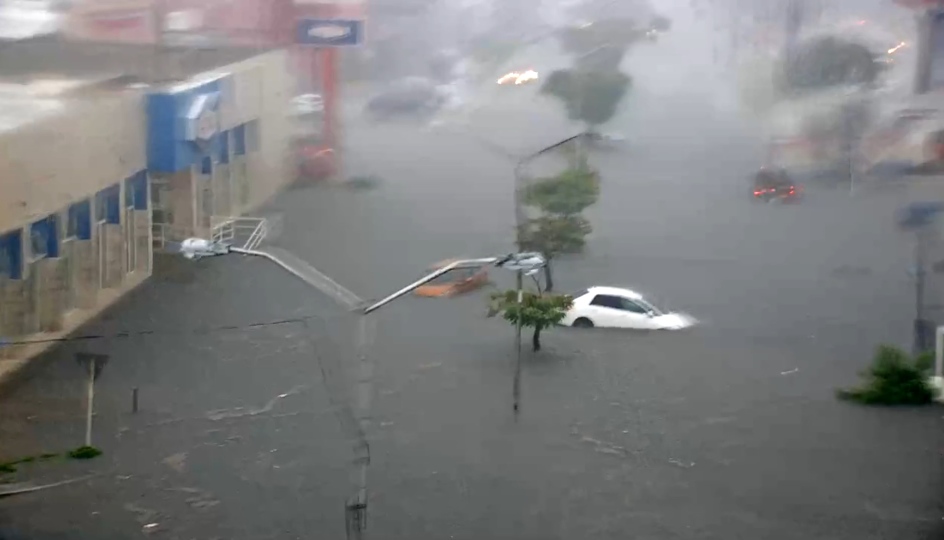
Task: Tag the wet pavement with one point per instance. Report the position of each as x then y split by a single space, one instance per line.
728 431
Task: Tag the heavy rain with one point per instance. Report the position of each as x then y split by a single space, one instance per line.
744 223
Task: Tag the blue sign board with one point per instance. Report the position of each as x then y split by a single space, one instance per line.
330 32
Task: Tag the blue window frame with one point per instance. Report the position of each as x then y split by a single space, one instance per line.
239 140
224 147
11 254
108 205
136 191
79 220
44 238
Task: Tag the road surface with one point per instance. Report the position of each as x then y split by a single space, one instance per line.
728 431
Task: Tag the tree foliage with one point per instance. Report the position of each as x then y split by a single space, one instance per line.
570 192
537 311
553 235
894 379
827 62
590 96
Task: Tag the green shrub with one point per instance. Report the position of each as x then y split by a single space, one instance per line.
85 452
894 379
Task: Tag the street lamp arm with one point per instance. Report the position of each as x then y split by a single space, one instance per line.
541 152
464 263
309 275
527 262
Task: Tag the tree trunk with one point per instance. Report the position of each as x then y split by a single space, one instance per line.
536 339
548 277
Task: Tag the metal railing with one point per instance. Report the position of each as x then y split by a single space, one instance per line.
244 232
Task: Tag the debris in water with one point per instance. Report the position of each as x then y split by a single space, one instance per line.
791 372
684 465
176 461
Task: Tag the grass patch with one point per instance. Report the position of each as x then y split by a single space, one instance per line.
85 452
10 467
894 378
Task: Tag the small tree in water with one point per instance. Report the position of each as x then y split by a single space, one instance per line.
537 311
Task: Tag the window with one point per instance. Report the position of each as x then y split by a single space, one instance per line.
11 254
239 140
79 220
224 147
43 238
633 307
206 165
136 191
252 136
618 302
605 300
108 205
453 276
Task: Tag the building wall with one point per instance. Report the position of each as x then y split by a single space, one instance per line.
74 219
219 144
96 140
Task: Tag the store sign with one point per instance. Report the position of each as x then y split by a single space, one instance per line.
203 118
330 32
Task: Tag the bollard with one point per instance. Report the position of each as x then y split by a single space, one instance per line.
134 400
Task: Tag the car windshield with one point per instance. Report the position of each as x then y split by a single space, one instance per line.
452 276
647 306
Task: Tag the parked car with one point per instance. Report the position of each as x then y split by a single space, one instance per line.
613 307
457 281
410 96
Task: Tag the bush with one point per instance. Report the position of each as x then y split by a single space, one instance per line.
85 452
894 379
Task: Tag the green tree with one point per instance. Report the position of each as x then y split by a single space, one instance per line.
570 192
894 378
537 311
561 228
590 96
828 62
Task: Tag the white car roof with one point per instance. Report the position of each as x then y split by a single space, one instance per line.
618 291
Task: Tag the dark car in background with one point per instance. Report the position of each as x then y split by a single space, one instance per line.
410 96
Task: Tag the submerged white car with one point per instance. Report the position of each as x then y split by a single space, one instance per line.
612 307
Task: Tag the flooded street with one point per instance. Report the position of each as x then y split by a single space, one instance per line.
728 431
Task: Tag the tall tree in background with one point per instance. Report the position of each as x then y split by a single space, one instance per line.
828 62
591 96
561 227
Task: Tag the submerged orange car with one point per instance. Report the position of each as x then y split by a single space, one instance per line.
457 281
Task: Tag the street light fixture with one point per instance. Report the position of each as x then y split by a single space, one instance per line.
525 263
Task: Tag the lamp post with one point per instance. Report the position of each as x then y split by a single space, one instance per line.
526 263
918 218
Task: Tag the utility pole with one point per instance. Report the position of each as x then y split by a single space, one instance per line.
919 218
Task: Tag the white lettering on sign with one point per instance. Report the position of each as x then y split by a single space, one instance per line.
329 32
208 124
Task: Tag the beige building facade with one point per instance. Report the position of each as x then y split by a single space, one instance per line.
94 175
74 216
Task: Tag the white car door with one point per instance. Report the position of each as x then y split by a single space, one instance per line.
606 311
633 315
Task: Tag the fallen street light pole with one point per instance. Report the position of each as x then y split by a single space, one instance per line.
524 263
